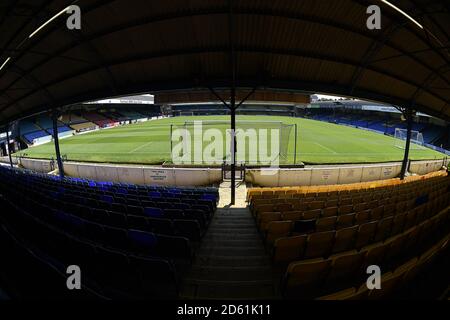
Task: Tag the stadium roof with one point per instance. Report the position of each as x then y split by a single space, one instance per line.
128 47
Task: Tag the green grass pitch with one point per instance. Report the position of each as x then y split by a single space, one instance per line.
148 143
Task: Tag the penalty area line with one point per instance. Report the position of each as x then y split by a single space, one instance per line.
323 147
141 147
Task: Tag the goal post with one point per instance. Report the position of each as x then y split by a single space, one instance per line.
255 140
417 142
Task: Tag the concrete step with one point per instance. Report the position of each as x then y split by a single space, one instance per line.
223 230
230 273
212 236
234 218
231 251
227 225
227 290
230 242
233 223
227 261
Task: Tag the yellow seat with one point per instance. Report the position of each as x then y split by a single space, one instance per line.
360 207
319 244
398 223
394 247
345 209
316 205
376 213
326 224
374 254
407 270
389 283
266 217
329 212
365 234
346 269
284 207
304 278
289 249
362 217
345 294
292 215
312 214
345 239
383 229
345 221
277 229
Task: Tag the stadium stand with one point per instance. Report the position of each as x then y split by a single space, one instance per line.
326 236
131 115
146 234
245 109
97 118
378 121
29 131
77 123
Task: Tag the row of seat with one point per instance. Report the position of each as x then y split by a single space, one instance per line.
68 222
188 220
370 199
394 280
54 183
329 190
373 211
167 232
314 277
323 244
380 220
359 203
119 215
58 190
108 272
127 240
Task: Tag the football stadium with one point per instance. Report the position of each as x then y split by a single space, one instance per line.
225 150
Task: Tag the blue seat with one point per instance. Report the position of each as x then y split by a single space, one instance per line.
154 212
142 241
209 197
154 194
107 198
122 191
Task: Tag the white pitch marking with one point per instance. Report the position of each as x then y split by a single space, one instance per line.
140 147
328 149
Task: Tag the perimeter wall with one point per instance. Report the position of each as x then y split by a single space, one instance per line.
154 175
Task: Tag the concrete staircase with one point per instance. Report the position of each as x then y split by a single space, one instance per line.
231 262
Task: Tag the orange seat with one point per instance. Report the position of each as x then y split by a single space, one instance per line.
288 249
277 229
319 244
326 224
365 234
345 239
303 279
329 212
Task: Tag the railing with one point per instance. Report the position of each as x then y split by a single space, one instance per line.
239 173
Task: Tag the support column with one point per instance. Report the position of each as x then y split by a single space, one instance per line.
231 35
56 141
408 115
8 146
233 144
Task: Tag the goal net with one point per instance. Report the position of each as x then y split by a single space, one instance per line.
186 113
417 141
210 141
